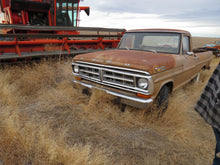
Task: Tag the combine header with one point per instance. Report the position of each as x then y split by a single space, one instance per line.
39 28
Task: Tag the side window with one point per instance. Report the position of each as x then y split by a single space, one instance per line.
185 44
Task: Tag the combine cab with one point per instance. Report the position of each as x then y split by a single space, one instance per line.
36 28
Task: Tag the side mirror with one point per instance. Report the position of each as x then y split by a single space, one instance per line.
195 57
190 53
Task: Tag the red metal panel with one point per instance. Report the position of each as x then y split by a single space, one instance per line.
3 3
54 44
55 13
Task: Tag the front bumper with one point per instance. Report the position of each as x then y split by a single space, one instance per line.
125 99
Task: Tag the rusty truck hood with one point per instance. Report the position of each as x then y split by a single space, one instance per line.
139 60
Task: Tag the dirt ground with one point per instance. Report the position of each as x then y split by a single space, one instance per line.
46 119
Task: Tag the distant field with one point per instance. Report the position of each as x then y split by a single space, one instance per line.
201 41
45 119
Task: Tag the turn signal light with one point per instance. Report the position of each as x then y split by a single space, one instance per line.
144 96
78 78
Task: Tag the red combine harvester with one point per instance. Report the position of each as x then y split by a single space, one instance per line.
39 28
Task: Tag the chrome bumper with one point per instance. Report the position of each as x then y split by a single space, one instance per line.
125 99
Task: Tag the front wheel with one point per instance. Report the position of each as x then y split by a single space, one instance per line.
162 100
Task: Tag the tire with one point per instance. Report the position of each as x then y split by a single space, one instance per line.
162 100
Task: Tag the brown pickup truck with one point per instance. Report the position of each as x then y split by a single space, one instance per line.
146 67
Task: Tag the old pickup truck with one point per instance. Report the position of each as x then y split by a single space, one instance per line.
146 67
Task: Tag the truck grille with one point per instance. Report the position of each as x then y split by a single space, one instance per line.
119 78
89 72
109 75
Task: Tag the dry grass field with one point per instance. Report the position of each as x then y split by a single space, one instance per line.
45 119
199 42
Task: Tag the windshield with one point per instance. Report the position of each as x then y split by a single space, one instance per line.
66 12
156 42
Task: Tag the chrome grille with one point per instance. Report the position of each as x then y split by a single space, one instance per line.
89 72
117 77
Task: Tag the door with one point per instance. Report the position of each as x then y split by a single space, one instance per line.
186 63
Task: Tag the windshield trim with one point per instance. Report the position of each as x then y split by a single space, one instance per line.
156 51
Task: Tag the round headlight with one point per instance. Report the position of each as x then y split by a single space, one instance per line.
142 83
76 68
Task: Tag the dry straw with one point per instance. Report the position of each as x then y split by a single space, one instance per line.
45 119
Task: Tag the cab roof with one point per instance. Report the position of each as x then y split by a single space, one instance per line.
160 30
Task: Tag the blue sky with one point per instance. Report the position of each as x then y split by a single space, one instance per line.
200 17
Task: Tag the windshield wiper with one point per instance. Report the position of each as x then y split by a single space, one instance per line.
151 50
127 48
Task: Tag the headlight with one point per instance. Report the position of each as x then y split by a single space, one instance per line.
76 69
142 83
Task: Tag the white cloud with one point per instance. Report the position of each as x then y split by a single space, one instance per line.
128 21
152 7
118 20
